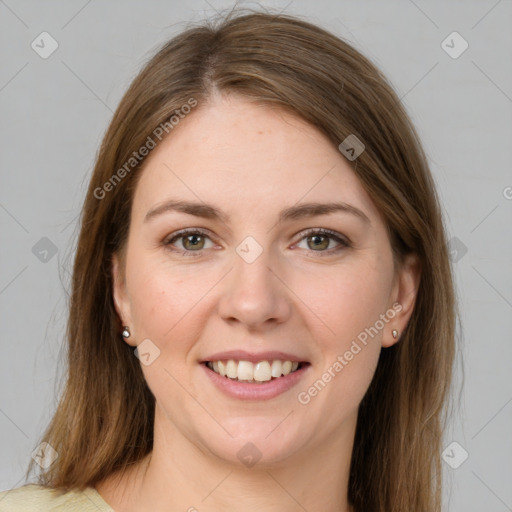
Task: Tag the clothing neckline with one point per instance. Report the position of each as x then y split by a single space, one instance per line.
92 492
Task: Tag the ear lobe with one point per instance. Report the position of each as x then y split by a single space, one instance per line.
403 298
120 296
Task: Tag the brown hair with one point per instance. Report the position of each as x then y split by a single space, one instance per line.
104 420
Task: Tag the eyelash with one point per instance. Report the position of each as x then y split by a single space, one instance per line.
344 243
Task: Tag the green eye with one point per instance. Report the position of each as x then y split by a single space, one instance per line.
193 241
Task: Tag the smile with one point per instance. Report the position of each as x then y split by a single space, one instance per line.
254 373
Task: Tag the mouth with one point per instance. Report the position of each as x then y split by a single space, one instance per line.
260 372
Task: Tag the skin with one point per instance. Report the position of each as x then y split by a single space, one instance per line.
251 161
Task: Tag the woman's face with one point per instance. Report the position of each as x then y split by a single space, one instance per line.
256 280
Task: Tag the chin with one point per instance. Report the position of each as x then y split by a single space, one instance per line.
258 441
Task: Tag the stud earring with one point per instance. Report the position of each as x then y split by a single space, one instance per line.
395 334
126 332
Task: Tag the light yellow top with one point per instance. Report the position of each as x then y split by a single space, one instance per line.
36 498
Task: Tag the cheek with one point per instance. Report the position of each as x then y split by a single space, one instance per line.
346 300
166 300
170 305
165 303
349 302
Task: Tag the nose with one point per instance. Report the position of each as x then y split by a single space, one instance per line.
255 294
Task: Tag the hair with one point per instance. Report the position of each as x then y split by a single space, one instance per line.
105 417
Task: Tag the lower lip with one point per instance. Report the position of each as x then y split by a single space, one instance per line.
260 391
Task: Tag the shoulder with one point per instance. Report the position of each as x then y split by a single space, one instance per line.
32 498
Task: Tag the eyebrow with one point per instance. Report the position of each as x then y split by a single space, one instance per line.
300 211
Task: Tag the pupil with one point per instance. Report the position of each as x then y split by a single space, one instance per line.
317 237
192 237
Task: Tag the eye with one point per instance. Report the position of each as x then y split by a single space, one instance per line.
319 239
192 240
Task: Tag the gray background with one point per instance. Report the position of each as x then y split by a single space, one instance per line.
54 112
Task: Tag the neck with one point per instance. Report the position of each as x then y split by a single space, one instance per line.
177 475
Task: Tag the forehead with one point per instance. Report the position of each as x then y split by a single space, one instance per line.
247 157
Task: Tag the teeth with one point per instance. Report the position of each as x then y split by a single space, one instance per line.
262 372
246 371
231 369
277 369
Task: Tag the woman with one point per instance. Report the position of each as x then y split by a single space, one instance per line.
262 312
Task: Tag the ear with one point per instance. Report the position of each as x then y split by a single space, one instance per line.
120 296
403 298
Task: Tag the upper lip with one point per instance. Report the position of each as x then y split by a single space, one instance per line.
253 357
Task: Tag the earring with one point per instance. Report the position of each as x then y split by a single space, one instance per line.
126 332
395 334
